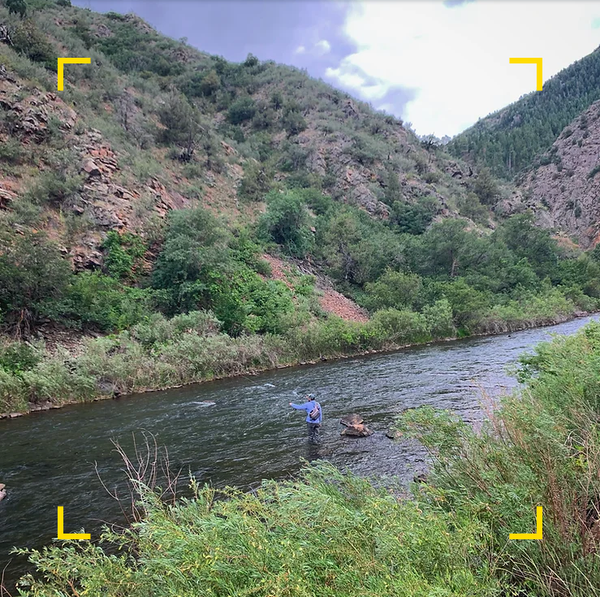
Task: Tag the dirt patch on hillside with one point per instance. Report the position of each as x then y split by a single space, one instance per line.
331 301
340 305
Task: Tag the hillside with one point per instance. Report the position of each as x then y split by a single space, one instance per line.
172 217
563 189
508 141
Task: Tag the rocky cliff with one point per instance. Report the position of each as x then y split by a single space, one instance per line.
564 189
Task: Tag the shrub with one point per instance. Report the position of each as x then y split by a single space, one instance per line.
123 254
27 39
33 274
439 319
241 110
16 357
157 329
202 84
413 218
13 396
287 222
486 187
256 183
293 123
17 7
94 300
593 171
470 207
294 535
541 447
11 151
401 327
393 289
54 188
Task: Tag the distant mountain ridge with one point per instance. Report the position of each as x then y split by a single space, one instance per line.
509 140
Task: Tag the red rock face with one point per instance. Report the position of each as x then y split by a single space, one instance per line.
564 192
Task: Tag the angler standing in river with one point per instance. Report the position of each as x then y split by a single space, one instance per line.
314 417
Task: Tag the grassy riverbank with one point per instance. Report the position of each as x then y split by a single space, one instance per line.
327 533
163 353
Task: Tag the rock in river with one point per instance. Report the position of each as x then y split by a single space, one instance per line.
393 433
359 430
2 491
349 420
354 426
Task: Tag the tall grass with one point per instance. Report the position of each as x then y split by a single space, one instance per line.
324 534
540 448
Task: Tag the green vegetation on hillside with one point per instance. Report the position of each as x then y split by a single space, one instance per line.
328 533
509 140
259 159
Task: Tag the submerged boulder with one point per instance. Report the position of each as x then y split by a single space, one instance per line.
393 433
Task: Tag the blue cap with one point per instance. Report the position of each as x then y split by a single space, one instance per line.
311 396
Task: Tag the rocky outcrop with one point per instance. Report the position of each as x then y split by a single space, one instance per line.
354 426
31 115
6 195
111 206
563 190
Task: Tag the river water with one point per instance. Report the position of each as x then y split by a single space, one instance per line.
53 458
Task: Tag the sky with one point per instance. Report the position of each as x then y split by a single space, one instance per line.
438 64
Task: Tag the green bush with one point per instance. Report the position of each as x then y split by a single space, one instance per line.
11 151
393 289
439 319
96 301
241 110
159 330
287 222
486 187
33 275
540 448
16 357
13 396
256 183
413 218
401 326
291 538
54 188
29 40
123 254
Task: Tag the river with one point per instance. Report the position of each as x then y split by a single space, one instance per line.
49 459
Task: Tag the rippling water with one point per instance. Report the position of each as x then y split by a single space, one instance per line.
48 459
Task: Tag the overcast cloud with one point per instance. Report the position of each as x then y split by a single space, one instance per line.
440 64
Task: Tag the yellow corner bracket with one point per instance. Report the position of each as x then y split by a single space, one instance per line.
61 527
536 61
61 68
538 528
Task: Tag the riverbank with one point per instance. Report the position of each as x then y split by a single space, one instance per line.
327 533
187 349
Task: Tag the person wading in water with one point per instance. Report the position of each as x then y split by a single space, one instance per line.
314 416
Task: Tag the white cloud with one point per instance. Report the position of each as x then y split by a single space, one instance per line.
300 50
458 58
322 47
